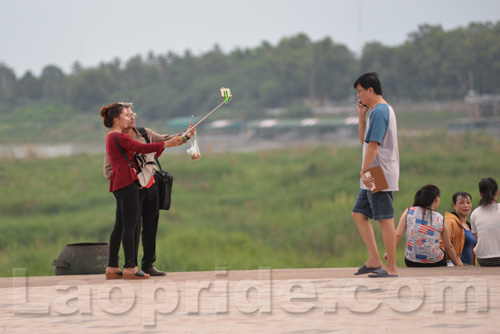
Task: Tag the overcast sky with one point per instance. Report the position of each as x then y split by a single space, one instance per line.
36 33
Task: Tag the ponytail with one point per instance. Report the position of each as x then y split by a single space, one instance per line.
426 195
488 188
110 112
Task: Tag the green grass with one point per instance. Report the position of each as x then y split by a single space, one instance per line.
277 208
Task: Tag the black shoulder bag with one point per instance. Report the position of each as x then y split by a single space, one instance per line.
162 178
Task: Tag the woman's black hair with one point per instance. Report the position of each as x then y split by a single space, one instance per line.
426 195
110 112
461 194
424 198
488 188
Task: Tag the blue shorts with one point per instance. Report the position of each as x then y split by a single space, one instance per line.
374 206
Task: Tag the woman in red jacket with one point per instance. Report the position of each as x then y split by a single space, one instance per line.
124 185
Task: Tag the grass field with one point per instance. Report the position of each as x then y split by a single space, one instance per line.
277 208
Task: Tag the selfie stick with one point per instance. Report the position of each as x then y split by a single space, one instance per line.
225 93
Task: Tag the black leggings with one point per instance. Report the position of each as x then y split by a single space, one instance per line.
127 218
442 263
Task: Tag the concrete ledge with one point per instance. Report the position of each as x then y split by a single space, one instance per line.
449 299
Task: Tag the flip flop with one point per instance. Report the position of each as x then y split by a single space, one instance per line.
365 270
380 273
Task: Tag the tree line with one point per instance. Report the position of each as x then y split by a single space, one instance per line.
432 64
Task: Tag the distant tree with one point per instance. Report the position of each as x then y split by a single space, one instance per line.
334 68
29 87
54 83
76 68
289 64
434 64
213 62
382 59
89 89
271 93
133 74
482 56
8 85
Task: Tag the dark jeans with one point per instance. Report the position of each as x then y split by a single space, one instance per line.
126 221
149 211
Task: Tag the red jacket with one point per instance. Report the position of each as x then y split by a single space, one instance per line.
122 174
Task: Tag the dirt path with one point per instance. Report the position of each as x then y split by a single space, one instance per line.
256 301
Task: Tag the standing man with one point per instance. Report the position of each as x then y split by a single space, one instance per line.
380 148
148 198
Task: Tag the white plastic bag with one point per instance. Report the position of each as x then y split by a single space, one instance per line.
194 150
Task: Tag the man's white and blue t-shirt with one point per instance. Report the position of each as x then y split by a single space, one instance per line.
382 128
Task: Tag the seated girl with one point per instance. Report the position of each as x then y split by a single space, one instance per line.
423 226
485 222
460 229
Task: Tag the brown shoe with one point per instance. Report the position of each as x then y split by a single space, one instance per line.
154 272
113 273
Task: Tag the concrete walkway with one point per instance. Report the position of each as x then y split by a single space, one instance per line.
292 301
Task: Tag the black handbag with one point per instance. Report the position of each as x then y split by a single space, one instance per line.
163 179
